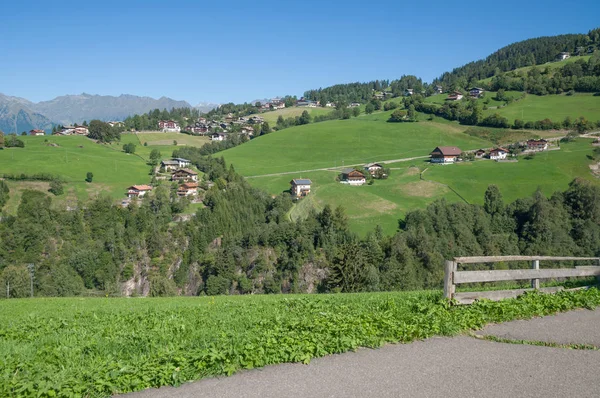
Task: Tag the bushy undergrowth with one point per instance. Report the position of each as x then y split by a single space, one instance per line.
98 347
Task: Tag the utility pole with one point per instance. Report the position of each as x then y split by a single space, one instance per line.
31 267
7 289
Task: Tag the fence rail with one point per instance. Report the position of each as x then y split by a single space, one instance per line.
453 277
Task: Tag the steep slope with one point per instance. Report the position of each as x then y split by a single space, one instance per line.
17 112
69 109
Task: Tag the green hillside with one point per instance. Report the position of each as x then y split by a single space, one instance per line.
554 107
387 201
344 142
271 116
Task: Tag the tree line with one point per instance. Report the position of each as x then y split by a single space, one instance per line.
241 241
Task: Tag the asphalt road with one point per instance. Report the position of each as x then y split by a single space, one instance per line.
575 327
451 367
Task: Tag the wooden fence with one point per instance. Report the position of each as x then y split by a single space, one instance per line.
454 277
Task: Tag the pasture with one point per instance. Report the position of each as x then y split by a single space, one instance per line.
271 116
554 107
71 157
387 201
97 347
344 142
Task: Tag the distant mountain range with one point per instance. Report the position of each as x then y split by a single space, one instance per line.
68 109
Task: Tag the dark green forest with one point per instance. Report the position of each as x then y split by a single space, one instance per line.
242 242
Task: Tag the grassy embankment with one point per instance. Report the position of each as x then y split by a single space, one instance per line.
100 347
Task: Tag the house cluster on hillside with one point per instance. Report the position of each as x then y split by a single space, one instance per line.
474 92
218 130
300 187
179 171
72 130
451 154
272 105
304 102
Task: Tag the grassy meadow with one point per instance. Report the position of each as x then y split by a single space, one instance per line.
71 157
550 171
554 107
99 347
271 116
387 201
345 142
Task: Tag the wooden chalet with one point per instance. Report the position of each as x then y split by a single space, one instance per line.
373 167
184 175
352 177
37 132
445 154
537 145
188 189
138 191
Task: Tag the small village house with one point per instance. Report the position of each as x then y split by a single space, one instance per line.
218 137
455 96
188 189
354 105
564 55
498 154
169 126
116 124
445 154
439 89
247 130
300 187
182 163
184 175
37 132
479 154
352 177
372 168
138 191
408 92
169 165
476 92
537 145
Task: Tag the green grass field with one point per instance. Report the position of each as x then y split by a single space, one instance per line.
550 171
71 159
344 142
554 107
271 116
97 347
387 201
551 66
74 156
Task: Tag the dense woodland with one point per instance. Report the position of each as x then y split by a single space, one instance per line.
242 242
530 52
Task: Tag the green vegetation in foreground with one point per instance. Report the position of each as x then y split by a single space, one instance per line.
550 171
387 201
353 141
100 347
554 107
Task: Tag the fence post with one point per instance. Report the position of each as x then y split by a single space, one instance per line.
535 283
449 269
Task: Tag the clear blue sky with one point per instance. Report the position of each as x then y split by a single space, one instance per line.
223 51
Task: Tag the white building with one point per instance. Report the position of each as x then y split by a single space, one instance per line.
300 187
498 154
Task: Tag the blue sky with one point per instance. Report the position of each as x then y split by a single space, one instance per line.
223 51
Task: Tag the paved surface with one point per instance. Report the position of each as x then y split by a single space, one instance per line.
451 367
575 327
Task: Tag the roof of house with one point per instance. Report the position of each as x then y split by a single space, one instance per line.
189 185
499 149
301 181
142 187
446 151
476 88
180 159
542 141
372 165
36 131
187 171
352 170
170 162
480 151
